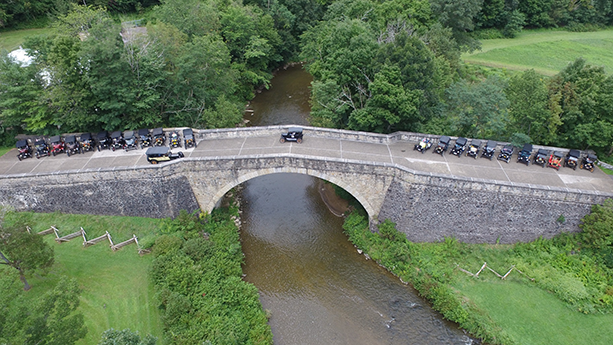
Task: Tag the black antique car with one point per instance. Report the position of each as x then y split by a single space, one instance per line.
87 143
174 139
423 145
506 153
459 147
104 140
144 137
572 159
129 141
188 138
541 157
442 145
57 145
524 155
473 148
589 162
292 134
161 154
72 145
117 141
25 151
489 149
158 137
42 148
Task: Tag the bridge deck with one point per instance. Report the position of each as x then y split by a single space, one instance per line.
400 153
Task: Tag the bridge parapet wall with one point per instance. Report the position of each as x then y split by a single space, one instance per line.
425 206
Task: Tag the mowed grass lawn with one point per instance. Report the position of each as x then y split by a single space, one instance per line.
530 315
547 52
11 40
116 289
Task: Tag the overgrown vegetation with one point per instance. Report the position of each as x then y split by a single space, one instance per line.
576 268
198 279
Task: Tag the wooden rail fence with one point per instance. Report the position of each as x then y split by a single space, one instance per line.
496 273
93 241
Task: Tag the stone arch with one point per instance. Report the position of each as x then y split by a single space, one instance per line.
346 185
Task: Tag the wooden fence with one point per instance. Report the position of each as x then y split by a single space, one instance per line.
496 273
93 241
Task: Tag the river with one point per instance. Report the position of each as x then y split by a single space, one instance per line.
318 289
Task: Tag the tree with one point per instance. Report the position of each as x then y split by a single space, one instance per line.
22 250
125 337
529 109
478 110
50 319
458 15
390 106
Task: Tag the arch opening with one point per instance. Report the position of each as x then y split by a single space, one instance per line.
214 201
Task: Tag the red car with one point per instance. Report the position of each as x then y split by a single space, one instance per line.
57 145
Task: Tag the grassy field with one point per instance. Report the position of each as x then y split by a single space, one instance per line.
530 315
546 51
116 289
4 150
11 40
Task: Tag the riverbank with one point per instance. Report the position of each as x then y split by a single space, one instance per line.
558 277
337 205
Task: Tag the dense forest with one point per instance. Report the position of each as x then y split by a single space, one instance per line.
379 66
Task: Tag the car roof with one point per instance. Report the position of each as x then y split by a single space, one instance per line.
158 150
557 154
508 147
70 139
491 143
55 139
444 139
592 156
86 136
461 141
102 135
157 131
476 142
116 134
527 147
143 131
39 140
295 129
574 153
188 131
543 152
128 134
21 143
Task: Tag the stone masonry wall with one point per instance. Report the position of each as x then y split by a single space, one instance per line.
427 212
119 193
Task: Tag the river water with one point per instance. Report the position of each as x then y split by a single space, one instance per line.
318 289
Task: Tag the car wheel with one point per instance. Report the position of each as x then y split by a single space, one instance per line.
154 162
113 148
282 140
299 140
181 154
68 153
53 153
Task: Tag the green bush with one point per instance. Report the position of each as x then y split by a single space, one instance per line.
197 276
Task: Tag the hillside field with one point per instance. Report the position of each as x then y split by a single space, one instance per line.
546 51
116 290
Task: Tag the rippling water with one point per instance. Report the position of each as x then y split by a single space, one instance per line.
318 288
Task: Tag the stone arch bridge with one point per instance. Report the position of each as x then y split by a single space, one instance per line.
428 196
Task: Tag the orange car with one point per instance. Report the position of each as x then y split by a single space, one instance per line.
555 160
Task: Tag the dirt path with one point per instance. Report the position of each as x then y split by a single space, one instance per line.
337 205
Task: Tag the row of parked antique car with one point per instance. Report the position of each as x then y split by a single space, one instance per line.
127 140
542 157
